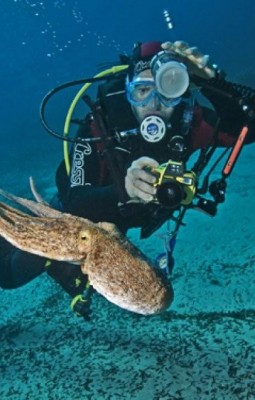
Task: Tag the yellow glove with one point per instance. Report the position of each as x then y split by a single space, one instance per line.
196 62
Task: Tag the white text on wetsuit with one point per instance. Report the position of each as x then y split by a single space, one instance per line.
78 173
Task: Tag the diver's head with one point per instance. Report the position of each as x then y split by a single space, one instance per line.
155 82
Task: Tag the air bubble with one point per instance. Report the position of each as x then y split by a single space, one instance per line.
50 14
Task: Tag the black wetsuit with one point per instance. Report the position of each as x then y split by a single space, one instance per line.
92 191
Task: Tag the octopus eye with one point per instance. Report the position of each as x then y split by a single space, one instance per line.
84 236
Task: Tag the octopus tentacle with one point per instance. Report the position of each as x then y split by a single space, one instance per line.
42 210
35 193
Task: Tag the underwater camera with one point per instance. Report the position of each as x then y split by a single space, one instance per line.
175 186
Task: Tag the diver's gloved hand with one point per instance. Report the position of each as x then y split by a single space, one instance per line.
138 182
196 62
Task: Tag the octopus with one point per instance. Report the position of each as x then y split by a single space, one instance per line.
116 268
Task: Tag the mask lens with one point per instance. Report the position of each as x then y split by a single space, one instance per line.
140 92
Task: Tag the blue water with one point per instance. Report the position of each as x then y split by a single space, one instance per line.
43 44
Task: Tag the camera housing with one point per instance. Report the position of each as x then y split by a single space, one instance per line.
175 186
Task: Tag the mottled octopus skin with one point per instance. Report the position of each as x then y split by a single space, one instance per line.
115 268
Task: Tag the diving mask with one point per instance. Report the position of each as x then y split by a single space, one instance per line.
141 91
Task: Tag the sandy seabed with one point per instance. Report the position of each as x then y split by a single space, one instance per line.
202 348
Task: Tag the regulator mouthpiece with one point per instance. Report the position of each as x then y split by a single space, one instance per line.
153 128
171 76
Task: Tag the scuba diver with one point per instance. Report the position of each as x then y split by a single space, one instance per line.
129 157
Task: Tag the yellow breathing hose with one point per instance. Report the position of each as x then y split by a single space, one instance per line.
78 96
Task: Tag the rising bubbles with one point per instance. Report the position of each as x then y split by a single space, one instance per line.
62 25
